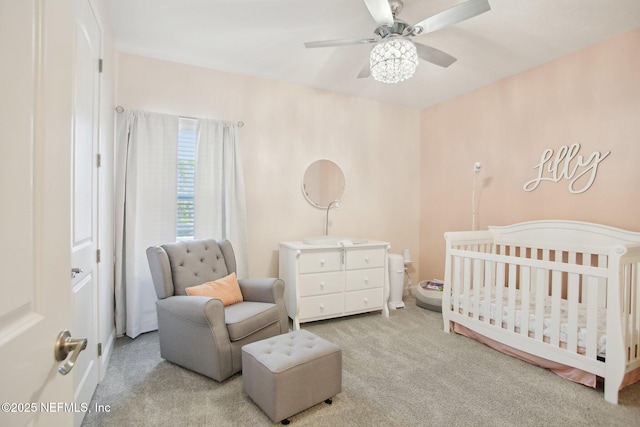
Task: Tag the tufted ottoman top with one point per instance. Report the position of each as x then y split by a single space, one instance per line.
285 351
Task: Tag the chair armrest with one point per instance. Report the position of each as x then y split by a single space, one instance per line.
262 290
266 290
203 310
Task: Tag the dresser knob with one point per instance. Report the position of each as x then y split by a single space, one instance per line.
366 259
321 306
366 300
366 279
321 285
322 262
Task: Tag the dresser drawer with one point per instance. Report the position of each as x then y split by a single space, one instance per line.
365 278
366 258
320 283
321 306
370 299
317 262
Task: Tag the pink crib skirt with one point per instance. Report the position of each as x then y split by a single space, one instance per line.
568 372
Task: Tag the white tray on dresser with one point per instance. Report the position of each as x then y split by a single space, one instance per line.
323 281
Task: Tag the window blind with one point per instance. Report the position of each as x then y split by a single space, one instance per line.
187 138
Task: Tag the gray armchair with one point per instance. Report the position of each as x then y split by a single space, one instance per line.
200 333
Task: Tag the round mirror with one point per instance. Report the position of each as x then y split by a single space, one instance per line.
323 183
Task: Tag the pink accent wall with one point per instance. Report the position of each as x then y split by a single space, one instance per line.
591 98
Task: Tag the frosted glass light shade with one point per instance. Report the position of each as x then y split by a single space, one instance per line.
393 60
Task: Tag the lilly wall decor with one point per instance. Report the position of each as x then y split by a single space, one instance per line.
567 165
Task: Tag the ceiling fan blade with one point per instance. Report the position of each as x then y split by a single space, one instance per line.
340 42
453 15
365 72
381 11
433 55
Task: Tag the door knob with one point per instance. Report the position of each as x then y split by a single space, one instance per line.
65 345
75 271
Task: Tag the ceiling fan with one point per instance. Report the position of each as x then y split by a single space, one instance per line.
394 57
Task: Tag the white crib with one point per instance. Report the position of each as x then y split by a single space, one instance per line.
566 292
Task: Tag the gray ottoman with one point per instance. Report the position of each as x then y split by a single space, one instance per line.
289 373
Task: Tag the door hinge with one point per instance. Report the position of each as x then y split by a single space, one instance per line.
100 65
98 255
98 160
99 349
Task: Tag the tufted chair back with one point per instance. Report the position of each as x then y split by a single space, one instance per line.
180 265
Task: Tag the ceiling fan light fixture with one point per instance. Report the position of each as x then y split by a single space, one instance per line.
393 60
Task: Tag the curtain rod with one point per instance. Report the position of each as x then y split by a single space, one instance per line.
119 109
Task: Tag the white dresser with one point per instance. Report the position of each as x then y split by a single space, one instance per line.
325 281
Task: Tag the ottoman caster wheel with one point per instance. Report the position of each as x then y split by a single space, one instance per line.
328 401
285 422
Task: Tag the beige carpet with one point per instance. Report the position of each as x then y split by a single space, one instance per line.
397 371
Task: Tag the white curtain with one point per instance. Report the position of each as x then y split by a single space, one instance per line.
146 204
220 202
146 197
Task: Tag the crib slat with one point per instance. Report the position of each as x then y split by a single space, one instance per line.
455 285
511 304
541 286
476 287
542 293
525 278
545 257
602 283
556 295
628 304
590 298
466 273
586 261
500 281
488 271
635 311
624 300
573 292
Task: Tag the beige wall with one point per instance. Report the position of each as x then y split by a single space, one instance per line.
591 98
287 127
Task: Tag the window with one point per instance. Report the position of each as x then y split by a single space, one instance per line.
187 138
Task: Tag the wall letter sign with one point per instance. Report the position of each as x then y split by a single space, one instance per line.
567 164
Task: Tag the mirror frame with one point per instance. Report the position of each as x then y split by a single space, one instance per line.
327 173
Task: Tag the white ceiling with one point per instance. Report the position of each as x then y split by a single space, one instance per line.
264 38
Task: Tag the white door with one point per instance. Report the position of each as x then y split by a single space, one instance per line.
37 300
84 240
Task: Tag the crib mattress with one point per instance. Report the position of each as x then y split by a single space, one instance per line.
547 324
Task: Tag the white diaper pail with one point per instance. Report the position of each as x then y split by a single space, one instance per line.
396 281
